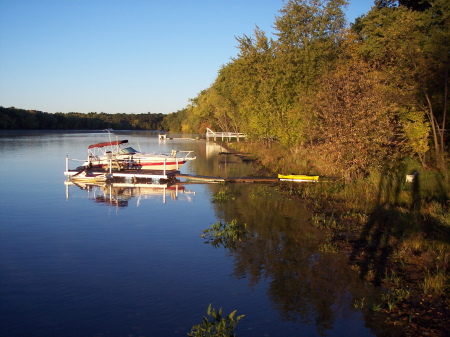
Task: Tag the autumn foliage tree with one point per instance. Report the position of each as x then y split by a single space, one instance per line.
349 97
355 125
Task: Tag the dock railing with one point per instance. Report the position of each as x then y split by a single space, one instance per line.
223 135
131 174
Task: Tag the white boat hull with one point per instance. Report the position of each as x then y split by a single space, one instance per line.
154 164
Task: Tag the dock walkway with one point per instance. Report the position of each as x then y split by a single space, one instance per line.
171 175
227 180
223 135
133 174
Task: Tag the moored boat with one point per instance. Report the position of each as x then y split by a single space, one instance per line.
297 177
121 155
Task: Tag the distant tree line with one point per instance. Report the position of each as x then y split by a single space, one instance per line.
174 121
350 99
12 118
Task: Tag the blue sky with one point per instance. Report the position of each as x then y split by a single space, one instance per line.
130 56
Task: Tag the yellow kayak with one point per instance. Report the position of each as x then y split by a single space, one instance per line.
297 177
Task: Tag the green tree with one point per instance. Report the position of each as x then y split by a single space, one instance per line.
261 91
201 113
412 47
416 129
309 34
254 77
174 121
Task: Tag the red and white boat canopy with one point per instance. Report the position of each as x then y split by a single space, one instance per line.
116 142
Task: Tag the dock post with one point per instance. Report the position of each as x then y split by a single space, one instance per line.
67 163
165 160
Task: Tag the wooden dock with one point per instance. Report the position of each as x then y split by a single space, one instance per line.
165 137
223 135
132 174
200 178
136 174
207 179
145 174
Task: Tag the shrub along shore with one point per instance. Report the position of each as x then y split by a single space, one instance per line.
395 233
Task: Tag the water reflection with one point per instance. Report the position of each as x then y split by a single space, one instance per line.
119 194
145 271
281 248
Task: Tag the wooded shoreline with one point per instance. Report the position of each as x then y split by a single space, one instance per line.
400 243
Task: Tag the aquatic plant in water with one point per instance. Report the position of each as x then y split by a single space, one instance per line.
225 194
215 325
225 234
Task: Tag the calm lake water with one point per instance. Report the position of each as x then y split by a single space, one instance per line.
124 261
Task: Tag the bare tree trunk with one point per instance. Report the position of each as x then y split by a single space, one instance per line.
444 116
435 128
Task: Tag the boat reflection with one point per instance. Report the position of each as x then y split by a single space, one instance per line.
119 194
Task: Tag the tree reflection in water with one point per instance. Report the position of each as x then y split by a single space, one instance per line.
280 246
